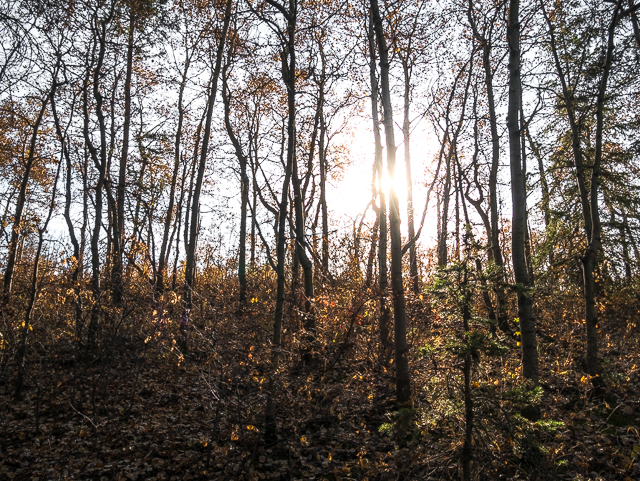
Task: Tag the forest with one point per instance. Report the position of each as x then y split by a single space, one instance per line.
319 239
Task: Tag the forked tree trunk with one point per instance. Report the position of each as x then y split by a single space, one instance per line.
288 66
165 246
202 164
495 253
588 196
99 158
33 294
403 378
444 214
244 191
77 257
590 259
383 275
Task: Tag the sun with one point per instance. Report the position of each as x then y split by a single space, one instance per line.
349 197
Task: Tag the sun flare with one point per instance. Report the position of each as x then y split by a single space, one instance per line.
350 196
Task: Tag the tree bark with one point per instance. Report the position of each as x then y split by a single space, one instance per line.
406 133
21 201
383 275
202 164
99 158
588 197
33 294
162 262
403 377
244 191
519 201
494 240
118 224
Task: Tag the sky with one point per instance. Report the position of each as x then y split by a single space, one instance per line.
348 197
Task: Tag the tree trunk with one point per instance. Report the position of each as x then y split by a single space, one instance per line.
323 194
202 164
444 214
20 202
118 224
244 191
494 240
406 133
589 200
162 262
99 157
77 261
289 75
403 378
383 276
518 201
590 259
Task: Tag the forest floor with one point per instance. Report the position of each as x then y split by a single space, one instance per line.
140 410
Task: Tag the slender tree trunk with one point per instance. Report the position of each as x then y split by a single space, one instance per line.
372 251
162 264
467 453
406 133
546 197
178 225
288 66
444 213
634 23
99 157
244 191
590 259
625 246
118 224
323 193
527 241
467 449
519 201
494 240
202 164
21 201
383 276
77 260
254 202
588 197
403 377
289 76
5 215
